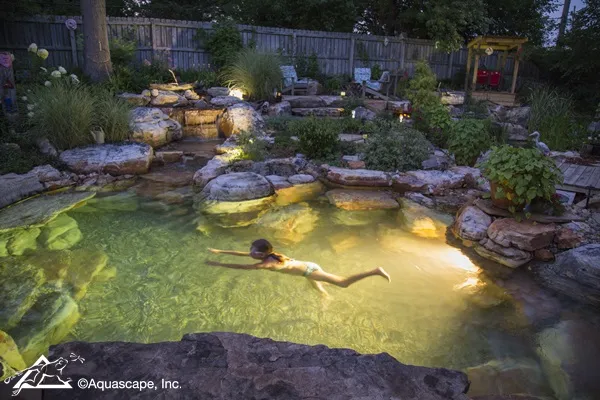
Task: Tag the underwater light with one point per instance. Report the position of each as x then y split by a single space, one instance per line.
457 259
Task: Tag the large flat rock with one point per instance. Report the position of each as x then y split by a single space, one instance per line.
40 210
14 187
524 235
358 177
114 159
353 200
239 367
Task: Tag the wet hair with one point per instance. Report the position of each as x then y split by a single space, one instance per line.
265 247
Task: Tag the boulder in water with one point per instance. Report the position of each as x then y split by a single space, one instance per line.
353 200
19 289
289 224
471 224
524 235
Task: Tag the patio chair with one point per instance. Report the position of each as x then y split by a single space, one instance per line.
291 83
362 77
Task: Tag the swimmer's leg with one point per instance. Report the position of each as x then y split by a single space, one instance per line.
319 287
344 282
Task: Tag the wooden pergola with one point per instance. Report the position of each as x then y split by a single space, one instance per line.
489 45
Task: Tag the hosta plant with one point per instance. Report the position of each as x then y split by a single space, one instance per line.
521 175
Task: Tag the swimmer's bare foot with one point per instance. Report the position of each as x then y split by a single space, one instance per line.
380 271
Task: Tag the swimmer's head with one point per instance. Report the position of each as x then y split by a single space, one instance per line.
261 249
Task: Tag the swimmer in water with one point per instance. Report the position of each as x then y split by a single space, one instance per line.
262 250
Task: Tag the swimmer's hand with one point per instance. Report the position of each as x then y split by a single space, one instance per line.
215 251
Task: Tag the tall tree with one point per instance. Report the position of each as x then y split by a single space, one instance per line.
528 18
96 53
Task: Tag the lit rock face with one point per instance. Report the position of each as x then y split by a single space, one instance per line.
236 199
355 200
472 224
114 159
153 127
241 117
237 366
358 177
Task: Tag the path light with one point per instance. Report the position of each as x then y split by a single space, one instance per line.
237 92
401 117
342 94
353 113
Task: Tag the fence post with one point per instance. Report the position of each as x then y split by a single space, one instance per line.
450 65
351 58
294 46
73 48
153 37
402 53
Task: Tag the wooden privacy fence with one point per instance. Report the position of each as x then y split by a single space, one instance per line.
176 42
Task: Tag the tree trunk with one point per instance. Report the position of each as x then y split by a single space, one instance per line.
96 53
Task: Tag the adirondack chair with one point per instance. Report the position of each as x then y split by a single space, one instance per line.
291 83
362 77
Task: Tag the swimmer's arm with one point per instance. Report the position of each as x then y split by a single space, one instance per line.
235 266
230 252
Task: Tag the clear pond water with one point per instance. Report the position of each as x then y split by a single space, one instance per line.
440 310
428 315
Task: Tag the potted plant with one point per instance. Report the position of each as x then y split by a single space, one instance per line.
519 175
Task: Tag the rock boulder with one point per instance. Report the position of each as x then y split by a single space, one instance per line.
507 256
237 366
575 273
471 224
524 235
358 177
114 159
241 117
353 200
154 127
224 101
14 187
279 109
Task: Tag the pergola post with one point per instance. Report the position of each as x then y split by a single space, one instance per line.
515 72
468 70
475 68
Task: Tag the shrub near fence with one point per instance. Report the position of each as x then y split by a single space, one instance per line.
177 43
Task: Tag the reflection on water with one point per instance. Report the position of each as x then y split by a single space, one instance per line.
435 312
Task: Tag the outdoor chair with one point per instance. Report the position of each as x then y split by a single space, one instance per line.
362 77
291 83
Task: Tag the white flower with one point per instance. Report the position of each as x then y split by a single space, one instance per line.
47 83
55 74
589 138
74 79
30 114
30 107
42 53
44 69
24 98
32 48
62 70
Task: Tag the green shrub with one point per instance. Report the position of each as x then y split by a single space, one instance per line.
334 84
521 174
318 138
435 121
350 125
254 73
135 79
279 123
468 139
376 72
301 66
421 88
350 103
122 51
284 147
394 147
253 146
312 68
66 113
552 114
206 77
223 43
